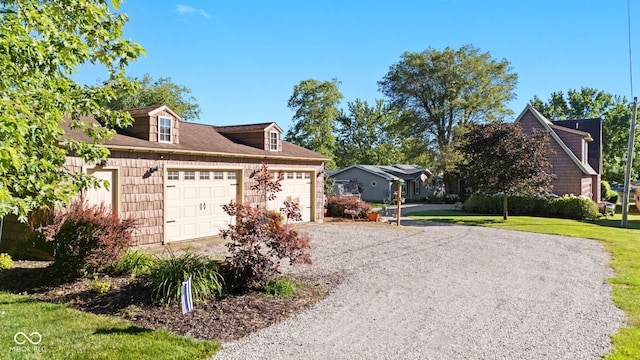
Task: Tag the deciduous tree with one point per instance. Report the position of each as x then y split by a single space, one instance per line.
42 43
589 103
315 104
162 91
500 158
364 135
440 90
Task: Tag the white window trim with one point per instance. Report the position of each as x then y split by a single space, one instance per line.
277 143
160 118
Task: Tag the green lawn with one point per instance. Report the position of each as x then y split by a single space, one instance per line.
66 333
622 243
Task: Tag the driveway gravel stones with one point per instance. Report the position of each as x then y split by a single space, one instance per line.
447 292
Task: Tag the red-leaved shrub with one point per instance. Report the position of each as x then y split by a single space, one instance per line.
336 205
86 239
260 240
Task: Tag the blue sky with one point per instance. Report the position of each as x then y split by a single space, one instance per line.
242 59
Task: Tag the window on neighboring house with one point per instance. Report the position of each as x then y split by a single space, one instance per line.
417 187
164 129
585 152
273 141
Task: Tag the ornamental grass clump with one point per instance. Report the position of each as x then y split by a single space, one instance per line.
133 262
166 277
279 287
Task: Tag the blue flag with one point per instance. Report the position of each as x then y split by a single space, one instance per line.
187 298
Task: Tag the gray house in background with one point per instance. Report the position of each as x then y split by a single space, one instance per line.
378 183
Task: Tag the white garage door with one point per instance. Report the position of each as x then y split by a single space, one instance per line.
103 195
194 200
296 186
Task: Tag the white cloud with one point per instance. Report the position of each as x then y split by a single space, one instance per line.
185 9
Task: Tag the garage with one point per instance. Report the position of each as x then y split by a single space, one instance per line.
194 200
296 186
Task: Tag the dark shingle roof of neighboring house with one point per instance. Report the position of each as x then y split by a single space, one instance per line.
196 139
395 172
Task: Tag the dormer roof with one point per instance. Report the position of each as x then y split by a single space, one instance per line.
152 111
238 129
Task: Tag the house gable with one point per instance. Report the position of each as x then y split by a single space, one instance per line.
530 119
569 161
155 124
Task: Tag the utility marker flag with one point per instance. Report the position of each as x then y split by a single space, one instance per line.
187 298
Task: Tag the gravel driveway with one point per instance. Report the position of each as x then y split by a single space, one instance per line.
447 292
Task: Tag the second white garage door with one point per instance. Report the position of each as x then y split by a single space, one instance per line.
296 186
194 200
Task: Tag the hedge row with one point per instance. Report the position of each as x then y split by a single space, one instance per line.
566 207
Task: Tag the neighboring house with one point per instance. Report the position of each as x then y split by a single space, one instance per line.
379 183
577 145
174 176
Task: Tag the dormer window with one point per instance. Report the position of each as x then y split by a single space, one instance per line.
273 140
164 129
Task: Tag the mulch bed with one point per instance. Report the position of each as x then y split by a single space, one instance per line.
228 318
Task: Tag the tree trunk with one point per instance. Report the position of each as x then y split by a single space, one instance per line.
505 208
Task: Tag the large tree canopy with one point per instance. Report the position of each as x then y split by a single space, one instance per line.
162 91
589 103
500 158
41 45
363 135
442 89
315 104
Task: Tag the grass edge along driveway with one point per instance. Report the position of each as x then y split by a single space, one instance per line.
31 329
623 245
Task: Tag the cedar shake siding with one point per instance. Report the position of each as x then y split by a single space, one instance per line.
141 195
140 162
573 152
